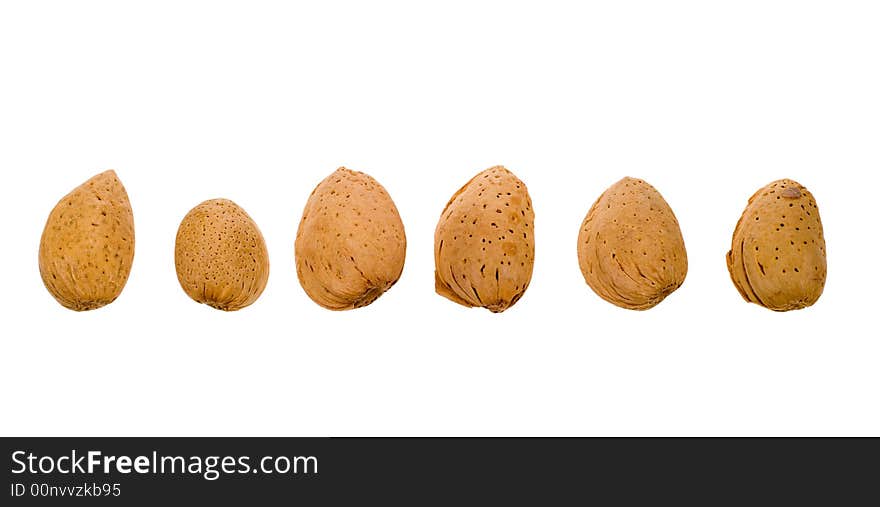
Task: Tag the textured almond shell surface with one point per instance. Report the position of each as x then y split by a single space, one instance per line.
777 255
220 256
630 248
350 245
484 246
87 246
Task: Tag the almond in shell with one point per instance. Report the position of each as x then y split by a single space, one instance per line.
87 246
350 245
777 256
484 243
220 256
630 248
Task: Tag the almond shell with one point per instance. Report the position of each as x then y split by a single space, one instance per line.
87 246
484 243
630 247
220 256
777 257
350 245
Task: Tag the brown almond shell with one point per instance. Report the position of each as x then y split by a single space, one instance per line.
87 246
484 243
350 245
630 247
777 257
220 256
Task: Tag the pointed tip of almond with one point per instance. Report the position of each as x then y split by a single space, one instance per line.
109 174
222 201
630 179
498 168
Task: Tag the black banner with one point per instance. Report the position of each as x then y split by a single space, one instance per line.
415 471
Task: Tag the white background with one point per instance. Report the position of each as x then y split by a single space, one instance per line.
258 101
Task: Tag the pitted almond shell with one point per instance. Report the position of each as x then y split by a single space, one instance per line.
484 244
777 257
87 246
220 256
630 248
351 245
